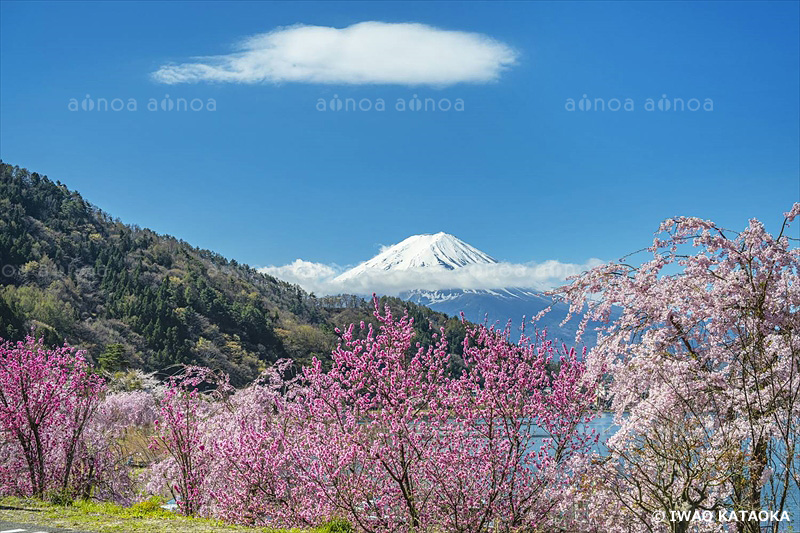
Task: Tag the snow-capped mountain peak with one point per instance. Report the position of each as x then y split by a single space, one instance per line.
439 251
431 269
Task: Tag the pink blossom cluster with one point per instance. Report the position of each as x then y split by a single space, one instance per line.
51 435
389 438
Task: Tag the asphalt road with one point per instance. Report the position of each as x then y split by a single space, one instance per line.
12 527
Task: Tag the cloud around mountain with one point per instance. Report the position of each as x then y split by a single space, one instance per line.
364 53
322 279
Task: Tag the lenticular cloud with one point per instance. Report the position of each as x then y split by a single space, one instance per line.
364 53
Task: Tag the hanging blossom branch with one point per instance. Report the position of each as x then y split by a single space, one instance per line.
704 370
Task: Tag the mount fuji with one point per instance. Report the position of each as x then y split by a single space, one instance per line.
444 257
439 251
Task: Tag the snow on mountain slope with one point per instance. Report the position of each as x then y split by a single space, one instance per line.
445 254
439 251
497 306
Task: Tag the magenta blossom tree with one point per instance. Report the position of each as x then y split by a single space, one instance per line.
517 436
397 443
372 425
48 398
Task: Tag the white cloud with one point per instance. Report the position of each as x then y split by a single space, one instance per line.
313 277
320 278
364 53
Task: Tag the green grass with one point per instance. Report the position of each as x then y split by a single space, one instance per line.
145 517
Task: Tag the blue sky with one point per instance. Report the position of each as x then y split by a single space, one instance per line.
267 178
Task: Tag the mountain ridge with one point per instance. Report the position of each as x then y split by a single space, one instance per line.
132 298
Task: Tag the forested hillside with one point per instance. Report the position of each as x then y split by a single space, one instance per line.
136 299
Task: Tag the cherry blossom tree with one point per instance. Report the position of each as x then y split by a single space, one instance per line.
119 438
255 478
704 367
185 410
